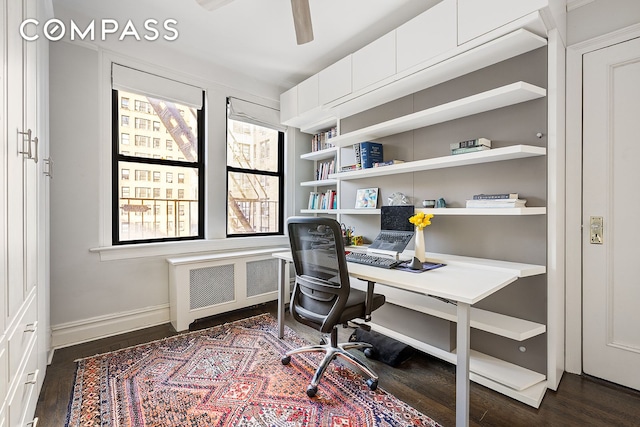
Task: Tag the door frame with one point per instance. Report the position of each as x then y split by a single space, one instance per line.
573 254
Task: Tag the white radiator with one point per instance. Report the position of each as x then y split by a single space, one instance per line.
204 285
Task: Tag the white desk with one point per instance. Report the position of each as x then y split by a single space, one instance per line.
464 283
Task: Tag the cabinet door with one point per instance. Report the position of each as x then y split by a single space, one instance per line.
374 62
335 80
289 105
479 17
308 95
31 176
15 160
427 35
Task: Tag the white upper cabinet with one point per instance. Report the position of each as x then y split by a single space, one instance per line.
427 35
476 18
308 94
289 104
374 62
335 80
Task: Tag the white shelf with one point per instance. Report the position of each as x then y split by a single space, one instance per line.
319 211
494 155
327 153
485 211
360 211
498 324
513 380
518 268
504 96
319 183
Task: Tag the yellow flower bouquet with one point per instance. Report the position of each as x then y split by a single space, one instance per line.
421 220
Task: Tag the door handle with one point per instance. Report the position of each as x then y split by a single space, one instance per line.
596 226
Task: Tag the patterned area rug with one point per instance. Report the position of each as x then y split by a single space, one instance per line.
230 375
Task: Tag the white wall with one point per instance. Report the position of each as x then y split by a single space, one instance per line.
91 297
600 17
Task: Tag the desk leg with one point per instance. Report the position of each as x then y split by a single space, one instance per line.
281 296
462 368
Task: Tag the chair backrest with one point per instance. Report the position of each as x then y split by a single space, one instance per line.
322 279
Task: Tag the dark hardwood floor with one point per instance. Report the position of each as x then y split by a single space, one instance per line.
424 382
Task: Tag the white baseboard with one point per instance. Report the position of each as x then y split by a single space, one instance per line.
72 333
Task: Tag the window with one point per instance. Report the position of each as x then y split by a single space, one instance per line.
169 145
180 193
139 217
255 174
180 178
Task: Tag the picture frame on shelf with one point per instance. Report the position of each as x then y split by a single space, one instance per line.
367 198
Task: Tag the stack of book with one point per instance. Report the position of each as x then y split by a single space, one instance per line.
320 141
500 200
387 163
470 146
324 170
323 201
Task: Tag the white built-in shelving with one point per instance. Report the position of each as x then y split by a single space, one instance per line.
486 211
319 183
494 155
493 99
327 153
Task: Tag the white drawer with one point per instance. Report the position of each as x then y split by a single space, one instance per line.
23 403
21 336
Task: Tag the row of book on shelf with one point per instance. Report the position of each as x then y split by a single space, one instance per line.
497 200
321 141
323 201
325 169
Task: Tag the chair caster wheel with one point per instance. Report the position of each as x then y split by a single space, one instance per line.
370 353
312 390
285 360
373 384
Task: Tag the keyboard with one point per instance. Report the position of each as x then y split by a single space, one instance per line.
373 260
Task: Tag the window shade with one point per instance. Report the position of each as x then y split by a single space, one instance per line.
254 113
130 80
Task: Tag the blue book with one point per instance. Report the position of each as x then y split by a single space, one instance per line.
370 153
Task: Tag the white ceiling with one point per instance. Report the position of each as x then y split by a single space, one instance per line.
254 37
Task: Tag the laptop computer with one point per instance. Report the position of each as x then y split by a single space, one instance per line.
395 230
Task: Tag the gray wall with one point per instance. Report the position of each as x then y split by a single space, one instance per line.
601 17
84 288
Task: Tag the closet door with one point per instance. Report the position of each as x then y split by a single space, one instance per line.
16 147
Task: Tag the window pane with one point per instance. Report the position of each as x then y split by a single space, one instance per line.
253 203
145 214
155 119
252 147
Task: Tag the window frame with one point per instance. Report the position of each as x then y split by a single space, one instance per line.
117 157
280 174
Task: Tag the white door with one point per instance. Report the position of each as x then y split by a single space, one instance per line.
611 175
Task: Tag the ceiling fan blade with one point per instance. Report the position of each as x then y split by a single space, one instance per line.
212 4
302 21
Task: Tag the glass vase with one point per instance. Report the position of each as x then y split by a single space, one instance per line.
419 250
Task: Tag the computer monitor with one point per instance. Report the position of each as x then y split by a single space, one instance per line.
396 217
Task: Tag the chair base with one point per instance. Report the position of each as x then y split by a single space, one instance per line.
332 350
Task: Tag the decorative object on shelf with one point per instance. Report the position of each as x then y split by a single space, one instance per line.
428 203
367 198
396 199
440 203
387 163
357 240
420 220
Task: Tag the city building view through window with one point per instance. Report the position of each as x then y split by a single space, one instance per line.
254 179
158 166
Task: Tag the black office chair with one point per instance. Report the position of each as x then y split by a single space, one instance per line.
322 297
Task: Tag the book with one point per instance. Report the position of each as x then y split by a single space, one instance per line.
496 203
387 163
471 143
495 196
313 197
470 149
368 153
